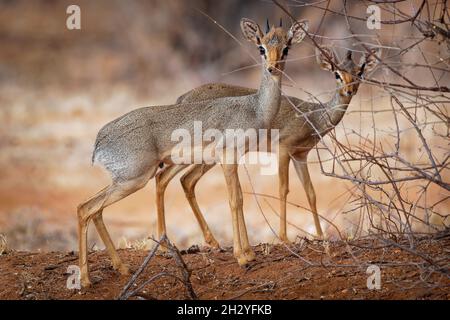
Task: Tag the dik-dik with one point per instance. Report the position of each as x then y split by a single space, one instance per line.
300 124
133 147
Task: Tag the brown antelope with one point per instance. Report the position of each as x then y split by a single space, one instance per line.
135 145
299 133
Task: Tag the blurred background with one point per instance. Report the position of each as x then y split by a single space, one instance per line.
58 87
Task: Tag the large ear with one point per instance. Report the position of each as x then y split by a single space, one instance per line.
251 30
369 61
324 62
297 32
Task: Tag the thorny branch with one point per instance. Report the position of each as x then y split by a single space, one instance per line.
397 193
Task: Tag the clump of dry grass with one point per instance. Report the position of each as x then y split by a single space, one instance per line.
141 244
3 244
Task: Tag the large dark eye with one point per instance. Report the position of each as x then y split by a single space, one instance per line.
338 77
285 51
262 50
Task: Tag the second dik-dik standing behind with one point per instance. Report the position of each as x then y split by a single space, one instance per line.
301 125
133 146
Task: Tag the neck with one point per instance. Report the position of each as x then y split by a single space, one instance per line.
336 107
269 97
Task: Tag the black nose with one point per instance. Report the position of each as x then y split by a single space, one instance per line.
270 69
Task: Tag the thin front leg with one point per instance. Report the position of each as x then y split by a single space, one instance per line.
301 167
283 189
189 181
236 202
162 180
246 248
106 238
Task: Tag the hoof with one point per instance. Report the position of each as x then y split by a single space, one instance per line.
86 282
123 269
320 237
242 260
163 248
284 238
249 255
163 252
213 243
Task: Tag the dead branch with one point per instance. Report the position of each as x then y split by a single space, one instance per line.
126 293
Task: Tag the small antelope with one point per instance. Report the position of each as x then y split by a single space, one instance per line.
133 147
297 135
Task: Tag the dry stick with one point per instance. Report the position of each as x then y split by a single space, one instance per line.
138 293
322 20
185 272
56 265
384 83
418 254
298 206
410 82
419 133
289 223
411 85
123 294
367 197
252 289
387 22
415 87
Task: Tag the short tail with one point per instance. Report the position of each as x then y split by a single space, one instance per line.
94 151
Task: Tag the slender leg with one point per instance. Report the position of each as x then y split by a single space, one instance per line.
162 180
101 229
92 207
246 248
236 203
301 166
283 185
189 181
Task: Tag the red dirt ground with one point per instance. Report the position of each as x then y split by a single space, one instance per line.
279 272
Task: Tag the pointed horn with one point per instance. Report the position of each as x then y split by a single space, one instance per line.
281 22
267 25
349 55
